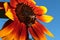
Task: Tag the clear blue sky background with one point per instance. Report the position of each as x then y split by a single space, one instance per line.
53 10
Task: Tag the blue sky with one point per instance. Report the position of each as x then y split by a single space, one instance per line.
53 10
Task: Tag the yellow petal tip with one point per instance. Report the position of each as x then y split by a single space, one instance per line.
50 34
46 18
6 6
49 19
9 14
44 9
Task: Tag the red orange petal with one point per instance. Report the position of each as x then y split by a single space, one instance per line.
45 30
45 18
13 3
8 37
43 37
40 10
33 34
7 30
31 3
22 1
16 36
39 32
23 35
14 15
16 32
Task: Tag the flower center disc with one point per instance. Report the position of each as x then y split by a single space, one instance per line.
25 14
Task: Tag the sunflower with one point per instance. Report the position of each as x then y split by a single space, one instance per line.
23 15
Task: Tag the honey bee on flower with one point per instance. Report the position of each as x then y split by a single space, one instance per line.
23 15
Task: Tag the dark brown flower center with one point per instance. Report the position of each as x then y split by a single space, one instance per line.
25 14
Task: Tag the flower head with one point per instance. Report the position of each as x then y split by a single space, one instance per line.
22 16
